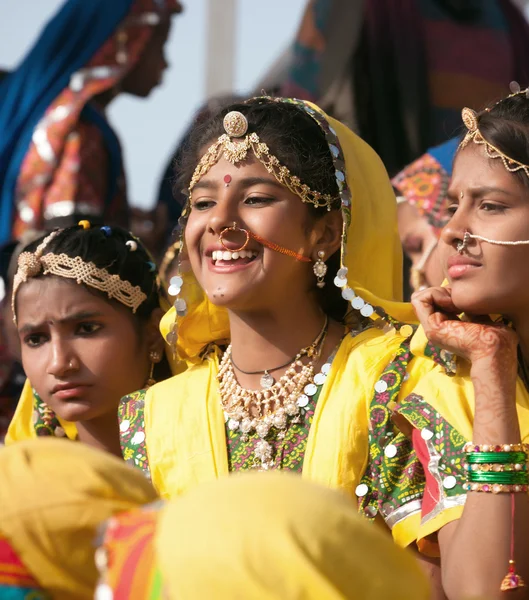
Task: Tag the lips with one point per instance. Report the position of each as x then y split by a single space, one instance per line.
69 391
459 266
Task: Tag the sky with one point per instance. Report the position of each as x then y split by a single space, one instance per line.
149 129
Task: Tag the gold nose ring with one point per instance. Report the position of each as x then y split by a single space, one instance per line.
235 228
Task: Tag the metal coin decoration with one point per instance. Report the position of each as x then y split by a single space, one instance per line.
267 381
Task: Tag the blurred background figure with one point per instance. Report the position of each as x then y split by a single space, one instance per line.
421 190
60 160
400 71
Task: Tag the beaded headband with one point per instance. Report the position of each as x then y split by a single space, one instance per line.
236 126
470 119
32 264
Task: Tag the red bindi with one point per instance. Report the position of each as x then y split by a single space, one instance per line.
227 179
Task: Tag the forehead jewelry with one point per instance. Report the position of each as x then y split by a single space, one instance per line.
33 264
227 180
470 119
234 146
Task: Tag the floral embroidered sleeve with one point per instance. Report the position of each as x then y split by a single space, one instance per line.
393 482
132 430
439 448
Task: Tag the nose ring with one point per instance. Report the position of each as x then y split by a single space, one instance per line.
236 228
462 245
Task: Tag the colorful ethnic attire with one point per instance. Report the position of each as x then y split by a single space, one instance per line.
424 183
60 160
53 497
177 432
304 548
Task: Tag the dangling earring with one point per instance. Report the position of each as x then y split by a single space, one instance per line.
154 358
320 269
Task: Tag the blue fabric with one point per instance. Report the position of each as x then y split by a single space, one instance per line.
445 153
67 43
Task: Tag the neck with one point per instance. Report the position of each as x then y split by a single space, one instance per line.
101 433
266 340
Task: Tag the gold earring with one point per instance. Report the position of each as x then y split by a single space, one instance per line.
154 357
320 269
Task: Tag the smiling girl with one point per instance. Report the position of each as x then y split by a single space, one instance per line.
87 307
290 252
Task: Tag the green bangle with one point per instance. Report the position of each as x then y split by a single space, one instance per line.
476 458
511 478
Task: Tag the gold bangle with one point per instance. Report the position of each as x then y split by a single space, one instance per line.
519 447
495 488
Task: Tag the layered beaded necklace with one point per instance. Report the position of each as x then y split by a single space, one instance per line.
276 406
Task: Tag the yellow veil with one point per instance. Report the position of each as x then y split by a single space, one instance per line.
371 251
53 497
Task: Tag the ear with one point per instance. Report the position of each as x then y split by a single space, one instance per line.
153 337
328 233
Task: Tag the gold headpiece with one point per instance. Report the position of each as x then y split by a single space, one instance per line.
470 119
31 264
236 126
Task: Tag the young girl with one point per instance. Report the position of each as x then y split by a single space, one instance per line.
87 306
471 432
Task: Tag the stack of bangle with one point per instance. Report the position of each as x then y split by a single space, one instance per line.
497 469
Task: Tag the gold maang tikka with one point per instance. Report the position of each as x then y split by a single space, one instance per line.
470 120
235 151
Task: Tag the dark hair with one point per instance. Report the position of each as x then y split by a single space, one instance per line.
299 143
106 248
506 126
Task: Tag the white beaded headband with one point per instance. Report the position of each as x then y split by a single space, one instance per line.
32 264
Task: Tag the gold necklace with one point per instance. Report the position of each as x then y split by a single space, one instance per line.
274 407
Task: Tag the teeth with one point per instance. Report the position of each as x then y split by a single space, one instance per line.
226 255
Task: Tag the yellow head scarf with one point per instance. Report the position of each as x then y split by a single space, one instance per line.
263 536
371 250
53 496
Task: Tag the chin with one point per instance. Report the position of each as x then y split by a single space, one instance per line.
473 301
78 410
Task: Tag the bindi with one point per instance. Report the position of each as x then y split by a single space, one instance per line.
227 180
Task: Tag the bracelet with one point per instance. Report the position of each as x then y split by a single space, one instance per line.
495 488
519 447
498 468
496 457
512 478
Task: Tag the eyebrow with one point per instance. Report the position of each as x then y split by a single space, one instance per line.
243 182
481 191
79 316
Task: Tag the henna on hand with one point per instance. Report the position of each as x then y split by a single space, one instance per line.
475 341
